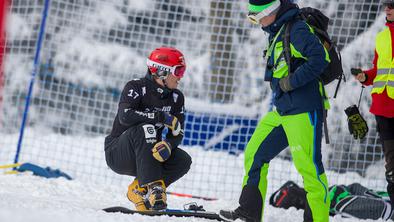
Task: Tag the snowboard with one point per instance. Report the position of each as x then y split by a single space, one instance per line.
167 212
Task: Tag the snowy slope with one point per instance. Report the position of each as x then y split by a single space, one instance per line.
27 198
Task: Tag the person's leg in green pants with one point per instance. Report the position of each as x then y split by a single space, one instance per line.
269 139
305 146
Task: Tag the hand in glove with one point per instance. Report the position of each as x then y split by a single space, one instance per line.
359 74
171 122
356 123
284 84
161 151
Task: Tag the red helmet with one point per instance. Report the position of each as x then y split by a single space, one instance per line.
164 61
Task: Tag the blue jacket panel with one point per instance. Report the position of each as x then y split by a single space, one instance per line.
305 96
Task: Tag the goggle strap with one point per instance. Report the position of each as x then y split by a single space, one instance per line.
266 12
269 10
160 66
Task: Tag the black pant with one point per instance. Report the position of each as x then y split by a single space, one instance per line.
386 134
130 154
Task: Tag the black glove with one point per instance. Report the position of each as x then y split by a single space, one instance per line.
171 122
355 71
356 123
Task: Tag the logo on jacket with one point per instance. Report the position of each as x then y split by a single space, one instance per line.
145 114
152 141
166 109
143 90
149 131
296 148
175 97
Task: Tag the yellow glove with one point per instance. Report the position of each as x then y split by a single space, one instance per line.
357 125
161 151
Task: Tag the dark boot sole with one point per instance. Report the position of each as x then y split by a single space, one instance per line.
159 205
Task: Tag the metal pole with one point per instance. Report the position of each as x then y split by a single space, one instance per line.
33 77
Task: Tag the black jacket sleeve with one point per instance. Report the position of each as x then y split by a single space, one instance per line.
128 112
179 112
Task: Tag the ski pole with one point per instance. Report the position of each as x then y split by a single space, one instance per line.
191 196
355 72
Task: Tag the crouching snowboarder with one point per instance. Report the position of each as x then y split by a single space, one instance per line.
135 146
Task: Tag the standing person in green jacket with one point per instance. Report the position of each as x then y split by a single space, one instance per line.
297 118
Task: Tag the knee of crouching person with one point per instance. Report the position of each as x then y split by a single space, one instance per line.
187 162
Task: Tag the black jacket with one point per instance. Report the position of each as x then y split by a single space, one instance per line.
144 101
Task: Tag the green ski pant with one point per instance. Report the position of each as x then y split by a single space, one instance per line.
303 134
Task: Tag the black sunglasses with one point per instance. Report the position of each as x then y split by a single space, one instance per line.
389 5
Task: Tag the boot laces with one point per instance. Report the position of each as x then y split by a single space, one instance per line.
140 193
157 190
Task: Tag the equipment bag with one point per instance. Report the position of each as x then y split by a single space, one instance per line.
319 23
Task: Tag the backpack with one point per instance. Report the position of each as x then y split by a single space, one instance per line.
319 23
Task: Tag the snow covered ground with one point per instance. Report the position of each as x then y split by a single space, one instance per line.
28 198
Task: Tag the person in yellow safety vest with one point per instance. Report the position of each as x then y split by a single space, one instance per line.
381 76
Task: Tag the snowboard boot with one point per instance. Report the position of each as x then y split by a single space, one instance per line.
157 195
232 215
137 195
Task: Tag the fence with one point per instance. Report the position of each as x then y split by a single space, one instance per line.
91 48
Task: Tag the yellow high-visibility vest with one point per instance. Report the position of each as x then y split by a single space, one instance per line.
385 74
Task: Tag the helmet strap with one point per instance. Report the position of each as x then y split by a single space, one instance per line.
165 83
153 77
162 79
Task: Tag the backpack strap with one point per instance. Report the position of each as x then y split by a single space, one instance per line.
286 44
271 47
325 126
342 76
